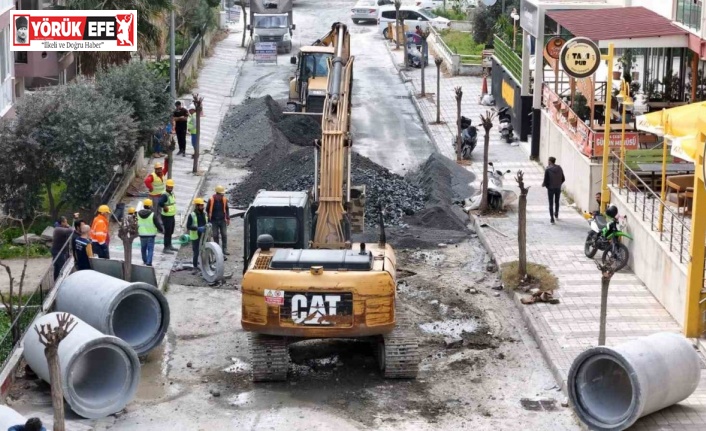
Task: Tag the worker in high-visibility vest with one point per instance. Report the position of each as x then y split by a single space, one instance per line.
156 184
191 127
147 228
100 233
219 215
196 225
167 202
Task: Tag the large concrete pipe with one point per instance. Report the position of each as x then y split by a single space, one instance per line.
99 373
612 387
135 312
10 418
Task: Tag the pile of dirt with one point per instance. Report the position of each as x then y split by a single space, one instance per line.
257 123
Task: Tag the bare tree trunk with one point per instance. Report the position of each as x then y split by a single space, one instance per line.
398 4
438 61
487 123
245 22
606 275
459 97
425 35
197 103
57 392
522 225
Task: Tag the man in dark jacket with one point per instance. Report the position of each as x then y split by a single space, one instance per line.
553 180
219 215
196 225
147 228
60 245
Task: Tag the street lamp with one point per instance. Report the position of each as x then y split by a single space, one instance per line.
624 99
515 17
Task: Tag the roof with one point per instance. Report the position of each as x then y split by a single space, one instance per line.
266 198
324 49
328 259
616 24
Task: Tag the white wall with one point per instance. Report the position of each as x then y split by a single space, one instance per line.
652 262
662 7
582 176
6 71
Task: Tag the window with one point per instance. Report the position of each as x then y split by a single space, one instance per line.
689 13
282 229
6 90
271 21
21 57
389 14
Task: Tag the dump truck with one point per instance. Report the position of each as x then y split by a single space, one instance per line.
307 88
271 21
303 276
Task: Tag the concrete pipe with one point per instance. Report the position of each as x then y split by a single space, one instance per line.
212 262
10 418
610 388
99 373
135 312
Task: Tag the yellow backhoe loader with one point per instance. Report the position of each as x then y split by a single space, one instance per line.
303 278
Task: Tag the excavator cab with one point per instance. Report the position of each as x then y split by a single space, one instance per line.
307 89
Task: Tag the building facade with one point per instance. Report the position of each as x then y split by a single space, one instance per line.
7 82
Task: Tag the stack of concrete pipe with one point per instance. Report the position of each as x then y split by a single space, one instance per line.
117 322
610 388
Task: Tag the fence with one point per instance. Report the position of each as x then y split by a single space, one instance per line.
648 205
507 57
188 64
453 60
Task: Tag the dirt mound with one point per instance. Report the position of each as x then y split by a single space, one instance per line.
446 217
299 129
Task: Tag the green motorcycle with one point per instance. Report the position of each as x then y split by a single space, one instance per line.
606 235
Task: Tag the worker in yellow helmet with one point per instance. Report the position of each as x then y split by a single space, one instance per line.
219 215
147 228
99 232
167 205
196 225
156 184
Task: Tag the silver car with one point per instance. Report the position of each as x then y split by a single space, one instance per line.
367 10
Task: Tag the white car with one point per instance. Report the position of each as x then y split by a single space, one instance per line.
367 10
435 4
416 16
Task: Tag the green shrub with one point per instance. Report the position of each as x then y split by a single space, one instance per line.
454 13
461 43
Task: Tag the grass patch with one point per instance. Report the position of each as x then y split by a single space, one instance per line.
452 13
8 250
538 275
461 42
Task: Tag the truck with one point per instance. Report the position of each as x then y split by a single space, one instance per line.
304 277
271 21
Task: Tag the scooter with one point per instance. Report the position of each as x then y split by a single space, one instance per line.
505 125
600 237
498 196
469 138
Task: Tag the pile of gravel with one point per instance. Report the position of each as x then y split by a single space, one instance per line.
295 172
248 128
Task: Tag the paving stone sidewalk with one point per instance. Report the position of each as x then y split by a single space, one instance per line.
215 84
566 329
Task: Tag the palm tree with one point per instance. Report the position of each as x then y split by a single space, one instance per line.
150 30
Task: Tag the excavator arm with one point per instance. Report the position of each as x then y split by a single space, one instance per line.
332 230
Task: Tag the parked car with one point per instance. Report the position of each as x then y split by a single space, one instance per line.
434 4
416 16
367 10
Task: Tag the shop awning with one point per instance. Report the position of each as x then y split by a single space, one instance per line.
681 125
628 27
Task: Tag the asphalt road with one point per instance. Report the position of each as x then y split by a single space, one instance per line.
385 124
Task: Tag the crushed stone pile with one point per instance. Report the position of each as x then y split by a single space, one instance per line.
295 172
257 123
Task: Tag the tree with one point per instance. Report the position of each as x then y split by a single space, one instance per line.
459 97
487 123
425 35
607 272
486 18
198 102
51 337
77 146
150 31
438 61
143 89
12 299
245 21
127 232
20 187
522 225
398 5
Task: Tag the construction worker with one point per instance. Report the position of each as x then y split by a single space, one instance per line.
196 225
83 251
167 203
132 212
99 233
155 183
219 215
147 228
191 126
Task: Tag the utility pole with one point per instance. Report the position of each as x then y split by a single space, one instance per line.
172 59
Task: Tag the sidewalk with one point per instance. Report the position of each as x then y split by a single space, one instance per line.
215 84
564 330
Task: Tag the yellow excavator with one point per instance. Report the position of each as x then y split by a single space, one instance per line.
307 88
303 277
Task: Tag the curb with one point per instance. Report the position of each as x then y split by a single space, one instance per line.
526 317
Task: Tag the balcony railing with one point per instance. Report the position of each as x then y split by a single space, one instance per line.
511 61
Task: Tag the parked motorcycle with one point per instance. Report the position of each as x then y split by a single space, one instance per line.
505 125
498 196
469 138
414 51
600 237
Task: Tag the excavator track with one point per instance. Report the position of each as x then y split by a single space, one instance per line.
269 358
399 355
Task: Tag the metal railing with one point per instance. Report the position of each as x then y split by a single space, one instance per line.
195 44
647 204
29 307
511 61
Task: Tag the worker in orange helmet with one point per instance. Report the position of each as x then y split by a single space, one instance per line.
100 236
